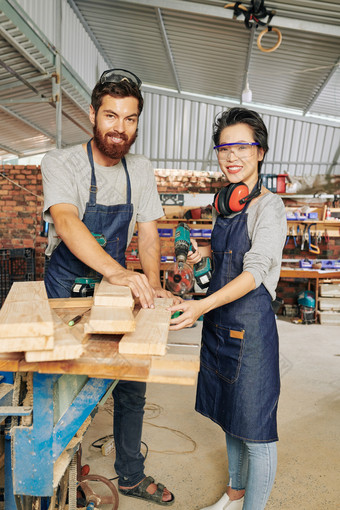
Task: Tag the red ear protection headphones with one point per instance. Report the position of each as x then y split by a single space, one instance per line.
234 197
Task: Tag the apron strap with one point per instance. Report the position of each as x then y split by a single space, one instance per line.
93 185
128 182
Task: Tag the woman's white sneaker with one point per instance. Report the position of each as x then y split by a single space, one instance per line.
226 504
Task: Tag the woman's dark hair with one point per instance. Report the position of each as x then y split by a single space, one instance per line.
239 115
121 89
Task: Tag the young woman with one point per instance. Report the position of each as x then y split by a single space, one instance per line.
239 382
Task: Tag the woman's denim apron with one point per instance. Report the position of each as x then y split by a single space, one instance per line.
239 381
111 221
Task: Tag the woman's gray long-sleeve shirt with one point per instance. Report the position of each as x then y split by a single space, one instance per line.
267 230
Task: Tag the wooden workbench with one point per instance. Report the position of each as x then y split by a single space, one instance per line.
312 275
101 358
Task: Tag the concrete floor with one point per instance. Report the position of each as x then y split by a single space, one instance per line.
187 451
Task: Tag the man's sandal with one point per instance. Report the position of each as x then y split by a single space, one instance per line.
140 492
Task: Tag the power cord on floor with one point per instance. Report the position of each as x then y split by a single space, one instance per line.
155 410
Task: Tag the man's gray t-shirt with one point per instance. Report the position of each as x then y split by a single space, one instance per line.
267 230
67 177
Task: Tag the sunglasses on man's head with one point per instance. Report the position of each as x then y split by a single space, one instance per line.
119 75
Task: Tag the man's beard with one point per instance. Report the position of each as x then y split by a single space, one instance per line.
110 149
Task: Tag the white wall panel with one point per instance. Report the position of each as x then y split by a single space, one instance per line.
177 133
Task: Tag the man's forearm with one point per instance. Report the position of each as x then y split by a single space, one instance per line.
83 245
150 255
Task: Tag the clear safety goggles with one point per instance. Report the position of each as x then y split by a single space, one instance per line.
119 75
240 150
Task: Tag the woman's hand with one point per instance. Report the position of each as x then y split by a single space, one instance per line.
191 311
195 255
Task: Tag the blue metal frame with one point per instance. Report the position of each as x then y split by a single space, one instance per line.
36 448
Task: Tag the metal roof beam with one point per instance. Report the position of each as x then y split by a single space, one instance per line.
28 122
10 70
168 48
19 18
220 12
9 150
11 86
19 48
26 101
322 87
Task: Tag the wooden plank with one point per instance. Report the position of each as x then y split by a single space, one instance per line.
67 343
10 362
151 333
27 291
26 312
113 295
85 302
162 376
105 319
100 359
20 344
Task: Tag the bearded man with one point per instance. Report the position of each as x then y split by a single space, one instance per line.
99 190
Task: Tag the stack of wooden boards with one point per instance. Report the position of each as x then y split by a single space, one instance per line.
28 324
112 313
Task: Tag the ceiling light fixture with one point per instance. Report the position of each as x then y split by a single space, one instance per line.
247 94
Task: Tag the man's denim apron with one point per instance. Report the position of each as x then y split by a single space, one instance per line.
129 396
111 221
239 382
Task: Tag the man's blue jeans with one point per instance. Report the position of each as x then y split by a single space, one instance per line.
252 466
129 401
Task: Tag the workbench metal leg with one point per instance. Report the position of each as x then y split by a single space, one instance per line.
36 448
9 496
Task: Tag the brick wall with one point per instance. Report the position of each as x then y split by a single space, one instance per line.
20 212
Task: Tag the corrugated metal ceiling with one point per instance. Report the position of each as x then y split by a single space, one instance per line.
180 48
210 53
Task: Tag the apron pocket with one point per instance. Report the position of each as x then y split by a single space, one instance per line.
230 344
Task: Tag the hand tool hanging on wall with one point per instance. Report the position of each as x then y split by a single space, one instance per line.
313 248
304 237
291 233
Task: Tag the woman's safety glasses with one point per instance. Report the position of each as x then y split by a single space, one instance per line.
119 75
240 150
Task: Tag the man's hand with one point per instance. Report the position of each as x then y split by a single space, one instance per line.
163 293
137 282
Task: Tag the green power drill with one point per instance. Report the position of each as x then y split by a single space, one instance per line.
180 276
